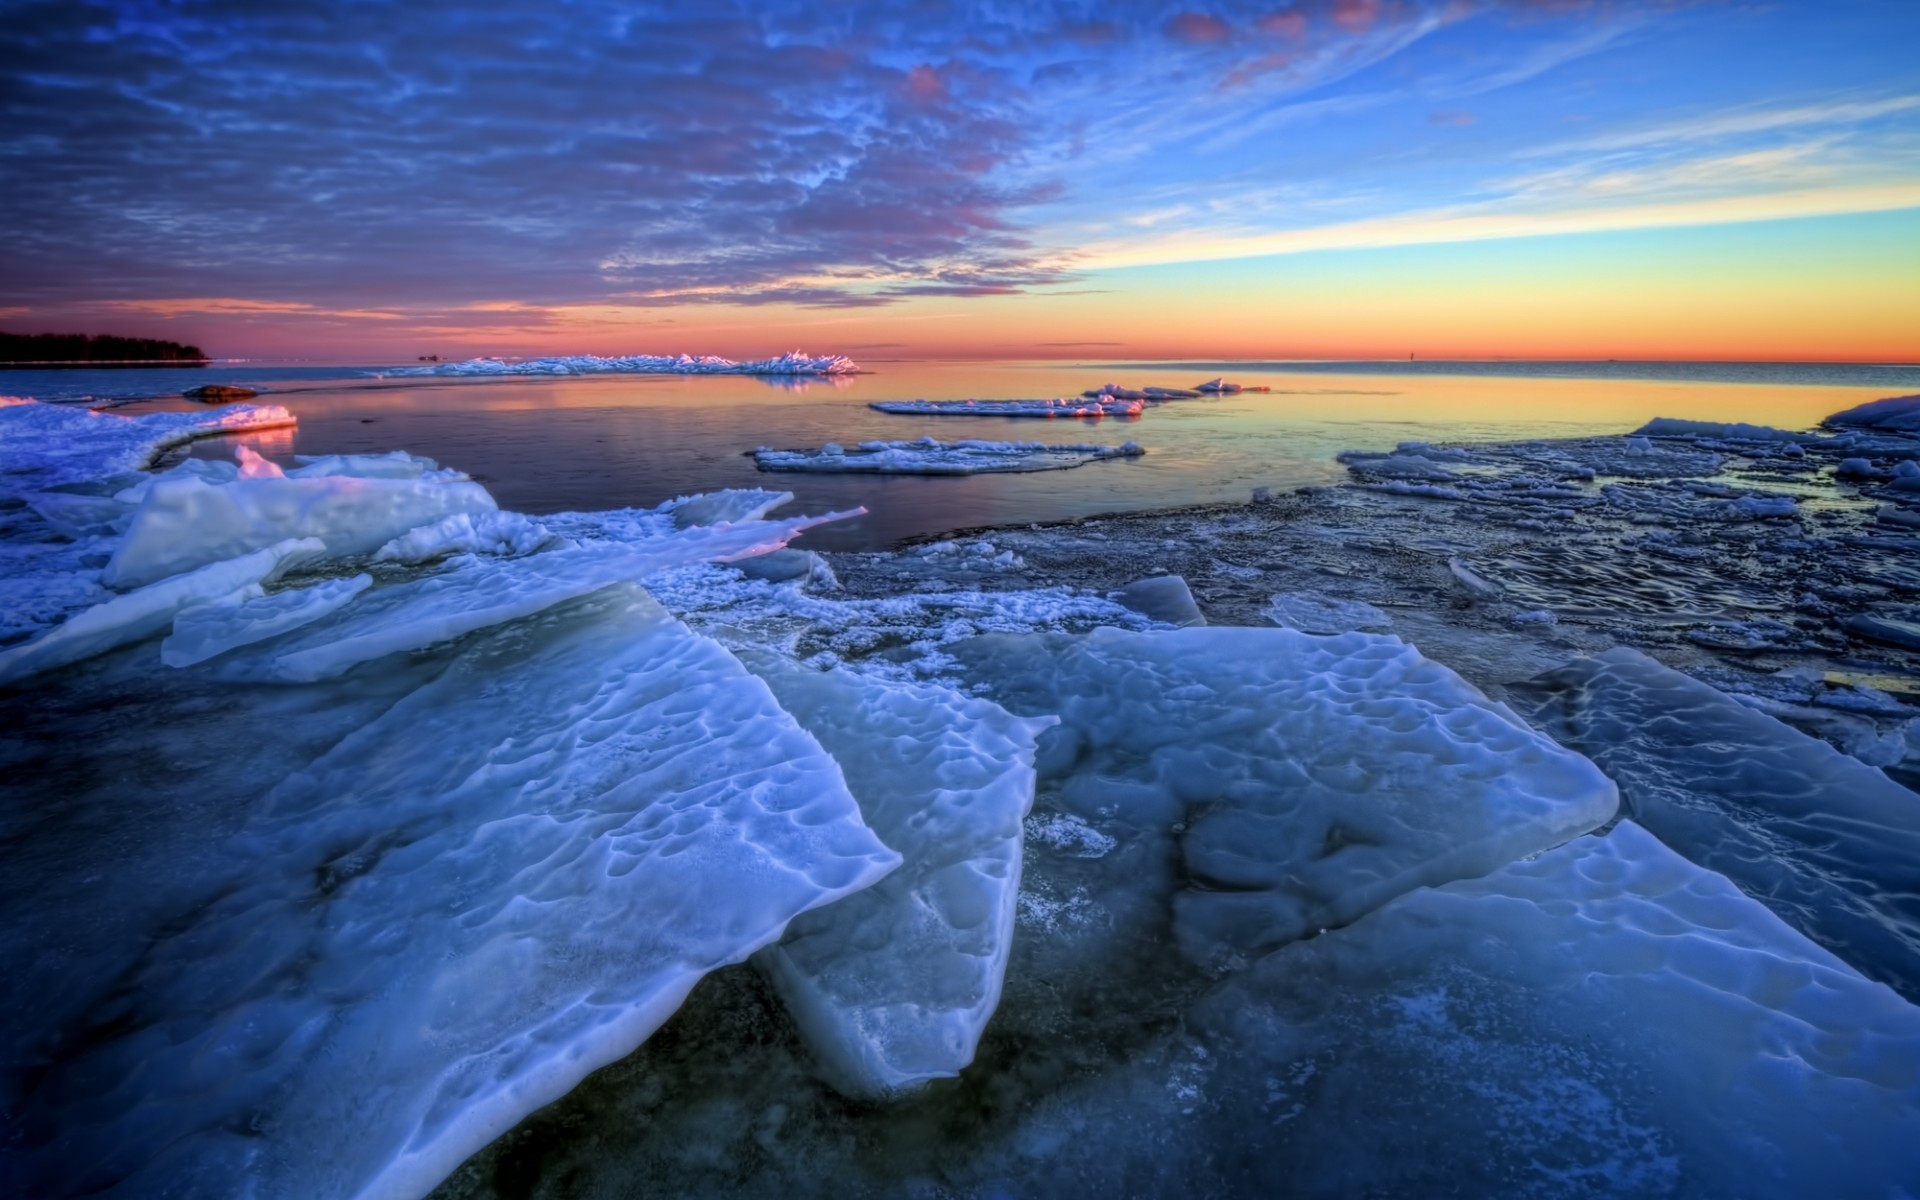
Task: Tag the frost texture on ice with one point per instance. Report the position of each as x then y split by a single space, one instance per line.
148 610
894 986
185 522
1606 1019
1310 612
792 363
928 456
251 615
494 532
1309 779
1898 413
51 444
508 880
473 592
1830 844
1070 407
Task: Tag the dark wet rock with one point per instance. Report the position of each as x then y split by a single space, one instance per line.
219 393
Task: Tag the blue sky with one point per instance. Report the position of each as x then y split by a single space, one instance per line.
319 170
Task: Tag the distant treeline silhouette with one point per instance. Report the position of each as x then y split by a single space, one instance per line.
18 349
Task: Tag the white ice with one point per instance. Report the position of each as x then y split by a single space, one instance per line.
252 615
46 445
928 456
894 986
1831 845
1306 779
185 522
793 363
148 610
494 532
1606 1019
508 880
1070 407
1311 612
474 592
395 464
1899 413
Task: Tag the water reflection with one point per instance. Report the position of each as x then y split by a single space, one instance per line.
544 445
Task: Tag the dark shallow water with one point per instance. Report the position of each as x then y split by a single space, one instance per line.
552 444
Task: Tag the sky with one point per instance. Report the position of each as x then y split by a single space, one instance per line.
358 181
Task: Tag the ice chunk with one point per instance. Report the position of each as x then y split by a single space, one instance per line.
724 507
1307 779
1098 406
395 464
788 566
148 610
894 986
474 593
184 523
1220 387
1675 427
1900 413
926 456
792 363
1555 1028
43 445
1311 612
1162 597
1397 465
250 615
1828 843
466 533
508 880
254 466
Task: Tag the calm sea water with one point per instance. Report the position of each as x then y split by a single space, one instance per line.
544 444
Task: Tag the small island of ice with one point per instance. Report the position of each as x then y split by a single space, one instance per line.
928 456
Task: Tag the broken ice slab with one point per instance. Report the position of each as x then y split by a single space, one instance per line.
475 592
251 615
186 522
1608 1018
1302 781
1068 408
508 880
1830 844
146 611
928 456
893 986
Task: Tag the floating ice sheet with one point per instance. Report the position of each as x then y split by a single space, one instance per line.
894 986
1070 407
1308 779
184 522
928 456
508 880
1311 612
794 363
148 610
1831 845
1899 413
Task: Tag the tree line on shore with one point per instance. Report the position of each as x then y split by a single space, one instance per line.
18 349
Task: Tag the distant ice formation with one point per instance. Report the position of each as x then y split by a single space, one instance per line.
928 456
1068 408
793 363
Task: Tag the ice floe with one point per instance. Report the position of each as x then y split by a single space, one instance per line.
1061 408
1311 612
928 456
1304 780
508 880
793 363
894 986
1900 413
1831 845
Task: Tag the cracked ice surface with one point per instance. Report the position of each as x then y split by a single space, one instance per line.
793 363
894 986
1831 845
928 456
1303 780
509 879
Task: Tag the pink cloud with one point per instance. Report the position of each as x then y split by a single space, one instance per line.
1287 23
1356 16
